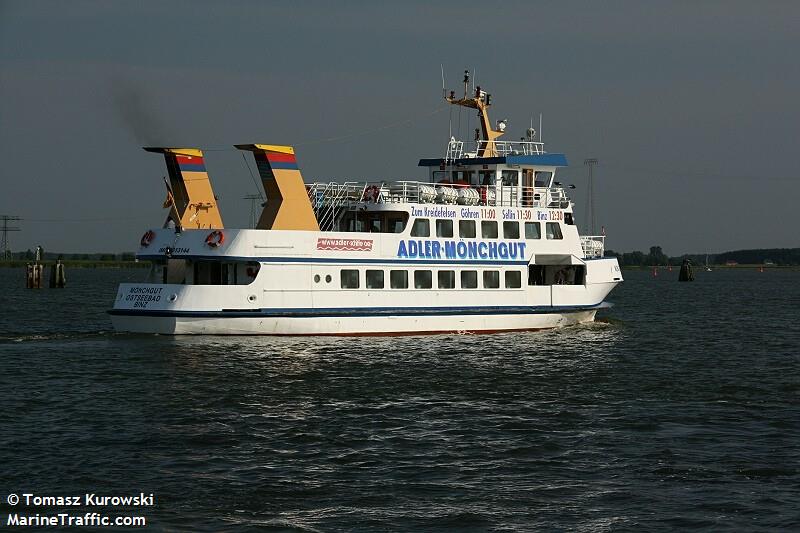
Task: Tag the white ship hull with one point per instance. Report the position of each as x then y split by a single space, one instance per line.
348 326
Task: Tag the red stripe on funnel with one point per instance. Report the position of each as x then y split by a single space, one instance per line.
276 157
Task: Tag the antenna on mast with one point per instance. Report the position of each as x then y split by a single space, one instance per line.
466 82
540 128
444 91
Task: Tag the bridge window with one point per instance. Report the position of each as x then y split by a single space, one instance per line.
398 279
511 230
533 230
444 228
466 229
542 179
349 279
423 279
421 228
447 279
469 279
510 178
553 231
489 229
491 279
374 279
513 279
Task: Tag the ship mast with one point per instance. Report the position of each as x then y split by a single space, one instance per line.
480 101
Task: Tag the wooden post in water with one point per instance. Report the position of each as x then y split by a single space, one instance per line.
34 276
58 279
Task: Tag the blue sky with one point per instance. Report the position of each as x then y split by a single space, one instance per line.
690 107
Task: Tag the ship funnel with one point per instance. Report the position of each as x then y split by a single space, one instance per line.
189 194
288 206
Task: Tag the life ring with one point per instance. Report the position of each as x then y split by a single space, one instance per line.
372 193
147 238
215 238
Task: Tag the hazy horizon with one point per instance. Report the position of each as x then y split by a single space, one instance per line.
690 108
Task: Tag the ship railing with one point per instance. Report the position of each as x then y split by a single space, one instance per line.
467 150
328 198
593 245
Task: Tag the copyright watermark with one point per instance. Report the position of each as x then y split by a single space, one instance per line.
77 510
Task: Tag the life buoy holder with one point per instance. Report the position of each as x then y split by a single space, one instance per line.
215 238
372 193
484 194
147 238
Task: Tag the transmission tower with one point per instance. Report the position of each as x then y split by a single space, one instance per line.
254 199
5 228
589 215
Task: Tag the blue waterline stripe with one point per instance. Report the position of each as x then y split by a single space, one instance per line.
359 311
339 260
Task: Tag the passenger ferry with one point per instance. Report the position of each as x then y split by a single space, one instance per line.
488 243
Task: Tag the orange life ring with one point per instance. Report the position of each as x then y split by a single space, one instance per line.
147 238
215 238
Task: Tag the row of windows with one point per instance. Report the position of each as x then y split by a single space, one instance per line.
467 229
423 279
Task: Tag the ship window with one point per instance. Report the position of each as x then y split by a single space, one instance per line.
542 179
466 229
349 279
487 177
469 279
421 228
513 279
316 278
568 219
511 230
510 178
374 279
396 225
398 279
489 229
423 279
553 230
533 230
447 279
491 279
444 228
328 278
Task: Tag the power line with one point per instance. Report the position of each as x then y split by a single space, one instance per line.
5 229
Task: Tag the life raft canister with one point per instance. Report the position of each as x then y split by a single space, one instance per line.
215 238
147 238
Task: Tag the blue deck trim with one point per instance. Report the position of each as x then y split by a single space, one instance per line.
306 312
550 160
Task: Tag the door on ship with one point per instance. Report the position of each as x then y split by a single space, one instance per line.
527 187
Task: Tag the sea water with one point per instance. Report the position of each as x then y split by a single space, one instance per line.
680 409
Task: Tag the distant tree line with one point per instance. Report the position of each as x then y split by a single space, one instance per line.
656 257
30 255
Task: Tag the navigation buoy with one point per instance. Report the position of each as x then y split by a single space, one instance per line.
686 273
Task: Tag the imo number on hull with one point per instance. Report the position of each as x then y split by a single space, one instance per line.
487 244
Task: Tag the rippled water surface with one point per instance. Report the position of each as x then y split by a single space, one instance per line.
680 410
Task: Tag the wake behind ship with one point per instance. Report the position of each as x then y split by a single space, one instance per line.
487 244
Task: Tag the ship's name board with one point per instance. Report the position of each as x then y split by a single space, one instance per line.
432 249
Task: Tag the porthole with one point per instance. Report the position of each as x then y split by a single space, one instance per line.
173 297
316 278
328 278
251 298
